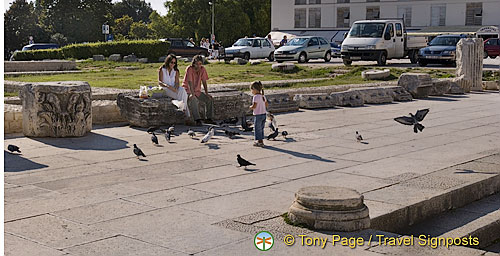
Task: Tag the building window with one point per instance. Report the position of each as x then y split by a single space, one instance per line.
343 1
438 15
300 2
314 17
474 14
372 1
405 13
399 30
343 17
373 13
300 18
314 1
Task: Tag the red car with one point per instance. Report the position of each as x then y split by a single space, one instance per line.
492 48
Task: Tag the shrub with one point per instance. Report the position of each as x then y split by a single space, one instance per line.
38 54
151 49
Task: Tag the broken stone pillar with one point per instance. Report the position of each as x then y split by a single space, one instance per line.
314 100
329 208
57 109
440 87
470 63
349 98
417 84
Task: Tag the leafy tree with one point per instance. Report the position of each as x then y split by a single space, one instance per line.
122 26
138 10
140 30
19 25
59 39
162 27
259 12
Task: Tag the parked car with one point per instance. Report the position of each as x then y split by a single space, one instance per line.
43 46
250 48
184 48
492 48
441 50
335 49
303 49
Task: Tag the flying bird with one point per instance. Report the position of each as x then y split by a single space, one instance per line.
208 136
243 162
191 133
273 135
414 120
138 152
13 148
359 138
245 125
284 134
154 139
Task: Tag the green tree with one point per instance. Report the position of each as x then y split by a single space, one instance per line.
140 30
138 10
59 39
19 25
259 12
162 27
122 26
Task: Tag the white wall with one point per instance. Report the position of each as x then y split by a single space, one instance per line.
491 13
455 14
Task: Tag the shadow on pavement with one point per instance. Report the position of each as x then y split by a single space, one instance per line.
91 141
17 163
298 154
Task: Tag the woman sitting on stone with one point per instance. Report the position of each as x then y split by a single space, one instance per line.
168 79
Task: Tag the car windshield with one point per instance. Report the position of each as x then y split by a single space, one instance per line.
297 41
243 42
444 41
367 30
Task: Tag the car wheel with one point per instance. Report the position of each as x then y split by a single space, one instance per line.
414 57
347 62
271 56
303 58
485 55
382 59
328 56
422 63
246 56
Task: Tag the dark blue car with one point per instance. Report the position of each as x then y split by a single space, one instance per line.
335 50
441 50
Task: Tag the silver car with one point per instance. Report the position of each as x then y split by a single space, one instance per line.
303 49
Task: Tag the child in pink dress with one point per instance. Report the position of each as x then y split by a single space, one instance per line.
259 105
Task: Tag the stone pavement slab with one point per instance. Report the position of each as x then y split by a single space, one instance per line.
17 246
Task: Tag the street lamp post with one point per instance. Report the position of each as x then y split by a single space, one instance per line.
212 3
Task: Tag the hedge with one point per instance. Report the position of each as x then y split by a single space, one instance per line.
151 49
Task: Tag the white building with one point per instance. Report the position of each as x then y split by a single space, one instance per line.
331 18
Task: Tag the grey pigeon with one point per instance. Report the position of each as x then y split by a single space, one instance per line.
191 133
273 135
154 139
231 134
284 134
208 136
359 138
272 122
13 148
244 125
231 120
168 136
171 129
152 129
138 152
243 162
414 120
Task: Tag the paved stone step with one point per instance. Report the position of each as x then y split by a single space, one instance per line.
479 219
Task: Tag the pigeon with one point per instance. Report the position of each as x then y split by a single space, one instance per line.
138 152
171 129
13 148
191 133
152 129
284 134
231 134
154 139
272 122
243 162
273 135
168 136
359 138
209 135
244 125
231 120
414 120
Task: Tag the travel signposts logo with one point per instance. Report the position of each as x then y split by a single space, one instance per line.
264 241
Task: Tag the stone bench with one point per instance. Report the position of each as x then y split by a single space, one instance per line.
45 65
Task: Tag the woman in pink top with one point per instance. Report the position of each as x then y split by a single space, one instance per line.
259 105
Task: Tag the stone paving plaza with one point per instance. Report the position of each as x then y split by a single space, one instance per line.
91 196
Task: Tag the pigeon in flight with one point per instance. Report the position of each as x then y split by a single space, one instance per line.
284 134
208 136
359 138
244 124
273 135
154 139
243 162
13 148
138 152
414 120
191 133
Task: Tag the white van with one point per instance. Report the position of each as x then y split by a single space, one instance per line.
250 48
380 40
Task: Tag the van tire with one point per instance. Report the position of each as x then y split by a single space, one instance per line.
413 57
302 57
382 59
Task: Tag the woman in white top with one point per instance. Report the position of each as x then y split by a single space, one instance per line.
168 80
